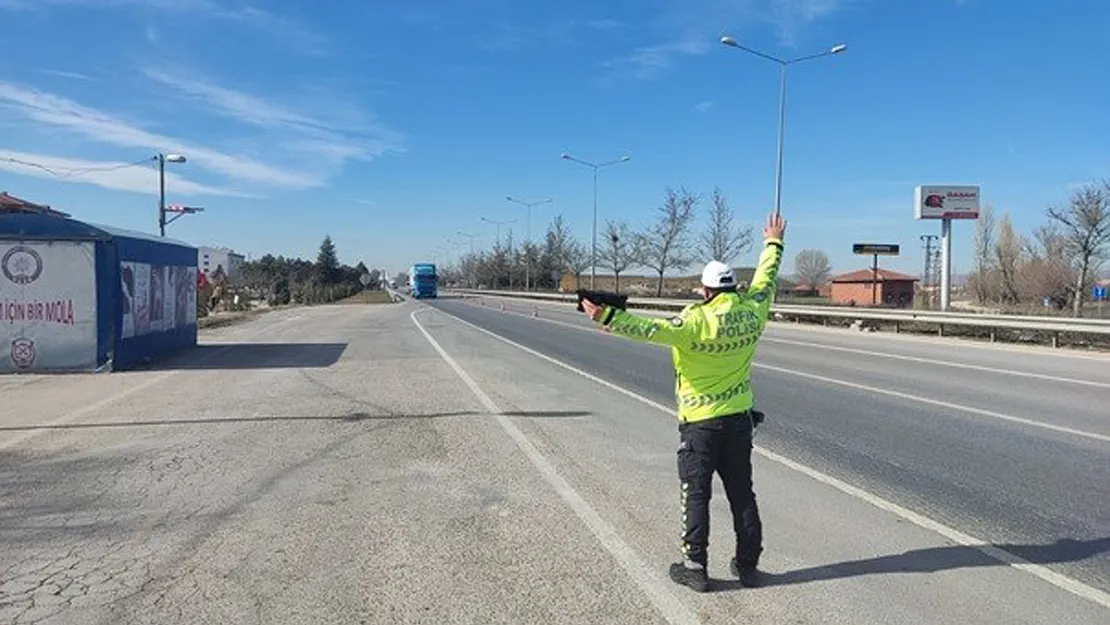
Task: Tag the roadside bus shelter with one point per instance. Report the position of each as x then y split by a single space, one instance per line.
76 296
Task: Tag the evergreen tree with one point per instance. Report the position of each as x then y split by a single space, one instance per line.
327 262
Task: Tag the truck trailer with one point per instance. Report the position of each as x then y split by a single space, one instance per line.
423 280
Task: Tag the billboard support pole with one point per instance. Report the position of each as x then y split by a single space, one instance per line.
874 279
945 262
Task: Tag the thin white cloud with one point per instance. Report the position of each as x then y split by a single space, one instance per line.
790 16
316 136
51 111
284 30
688 29
107 174
649 62
65 74
703 106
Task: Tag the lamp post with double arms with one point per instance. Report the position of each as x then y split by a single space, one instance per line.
528 235
593 244
783 64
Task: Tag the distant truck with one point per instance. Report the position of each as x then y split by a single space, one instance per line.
423 280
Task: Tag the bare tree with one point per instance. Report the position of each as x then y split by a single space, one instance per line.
1008 259
622 250
665 245
1048 274
1085 225
724 239
982 279
576 258
812 268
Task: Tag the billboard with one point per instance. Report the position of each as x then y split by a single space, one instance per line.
946 202
882 249
47 305
157 298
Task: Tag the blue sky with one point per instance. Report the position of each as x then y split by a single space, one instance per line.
393 125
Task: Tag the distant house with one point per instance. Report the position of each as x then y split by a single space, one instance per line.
859 288
11 204
804 290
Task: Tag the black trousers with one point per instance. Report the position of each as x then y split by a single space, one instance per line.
722 445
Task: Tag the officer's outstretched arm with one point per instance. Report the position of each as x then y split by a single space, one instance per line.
765 281
681 330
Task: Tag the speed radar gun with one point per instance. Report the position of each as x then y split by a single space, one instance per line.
602 298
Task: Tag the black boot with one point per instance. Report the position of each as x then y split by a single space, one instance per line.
696 578
748 574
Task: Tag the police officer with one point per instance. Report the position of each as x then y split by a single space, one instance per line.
712 343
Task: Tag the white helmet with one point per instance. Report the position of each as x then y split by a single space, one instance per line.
718 275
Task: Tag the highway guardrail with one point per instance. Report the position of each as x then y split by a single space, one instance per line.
1052 326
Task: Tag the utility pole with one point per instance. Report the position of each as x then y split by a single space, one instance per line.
927 276
162 159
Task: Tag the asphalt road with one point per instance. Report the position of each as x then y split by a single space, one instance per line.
1008 444
391 464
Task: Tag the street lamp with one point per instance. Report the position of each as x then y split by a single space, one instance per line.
162 159
498 224
528 235
783 64
593 244
470 278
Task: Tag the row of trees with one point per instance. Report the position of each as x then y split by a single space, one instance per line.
665 244
1057 264
282 280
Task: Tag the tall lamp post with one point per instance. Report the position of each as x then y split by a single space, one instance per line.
470 278
497 276
593 244
528 235
498 224
162 159
783 64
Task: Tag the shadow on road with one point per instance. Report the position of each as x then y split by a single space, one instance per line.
215 356
934 559
347 418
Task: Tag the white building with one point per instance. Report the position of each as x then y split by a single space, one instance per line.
212 257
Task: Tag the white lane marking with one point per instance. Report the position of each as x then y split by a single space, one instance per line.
933 361
944 404
657 591
1060 581
882 391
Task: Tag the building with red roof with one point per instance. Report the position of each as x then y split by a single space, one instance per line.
12 204
867 287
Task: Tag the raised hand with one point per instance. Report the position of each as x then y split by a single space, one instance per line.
775 228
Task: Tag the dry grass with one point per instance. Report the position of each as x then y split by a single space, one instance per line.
368 297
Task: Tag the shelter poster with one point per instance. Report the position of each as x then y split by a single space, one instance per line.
157 298
135 287
47 305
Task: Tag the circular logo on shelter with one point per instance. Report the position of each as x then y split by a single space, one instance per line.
23 352
21 265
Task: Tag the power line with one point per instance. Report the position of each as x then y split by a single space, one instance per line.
69 172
